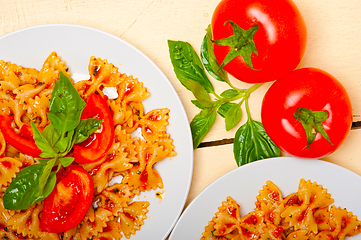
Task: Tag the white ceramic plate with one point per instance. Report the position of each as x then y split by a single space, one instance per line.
76 44
243 184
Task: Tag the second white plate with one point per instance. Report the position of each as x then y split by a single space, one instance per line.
243 185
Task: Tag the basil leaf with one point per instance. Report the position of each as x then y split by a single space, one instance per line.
230 93
66 161
201 124
52 135
187 65
46 149
49 186
47 167
65 144
197 104
209 59
199 93
223 109
85 128
25 190
251 143
66 105
233 116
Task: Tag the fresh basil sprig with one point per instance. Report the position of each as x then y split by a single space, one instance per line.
35 182
251 142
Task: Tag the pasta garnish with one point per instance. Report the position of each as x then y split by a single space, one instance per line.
25 94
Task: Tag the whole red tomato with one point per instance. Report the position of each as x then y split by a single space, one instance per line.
273 46
308 102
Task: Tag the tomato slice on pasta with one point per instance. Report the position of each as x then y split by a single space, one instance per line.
98 143
25 145
70 200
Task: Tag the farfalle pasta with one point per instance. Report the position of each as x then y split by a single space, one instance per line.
307 214
25 94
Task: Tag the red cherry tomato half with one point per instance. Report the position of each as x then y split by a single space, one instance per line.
97 145
70 200
315 90
24 142
280 39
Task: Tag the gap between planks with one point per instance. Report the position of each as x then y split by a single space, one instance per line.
355 125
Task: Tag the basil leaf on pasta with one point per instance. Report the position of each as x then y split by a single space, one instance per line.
43 144
66 161
85 128
52 135
25 190
66 105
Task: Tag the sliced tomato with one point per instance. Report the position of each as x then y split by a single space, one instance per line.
70 200
97 145
24 144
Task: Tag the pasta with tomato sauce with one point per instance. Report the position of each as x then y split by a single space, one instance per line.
307 214
25 95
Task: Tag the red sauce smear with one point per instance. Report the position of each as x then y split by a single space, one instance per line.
292 201
6 164
251 220
128 89
129 216
232 211
278 231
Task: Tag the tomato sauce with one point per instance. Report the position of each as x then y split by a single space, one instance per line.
128 89
6 164
277 232
129 216
292 201
274 195
232 211
144 176
251 220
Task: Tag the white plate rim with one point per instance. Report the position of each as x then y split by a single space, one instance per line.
186 140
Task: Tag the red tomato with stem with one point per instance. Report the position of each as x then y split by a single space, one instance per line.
70 200
271 36
307 114
98 143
